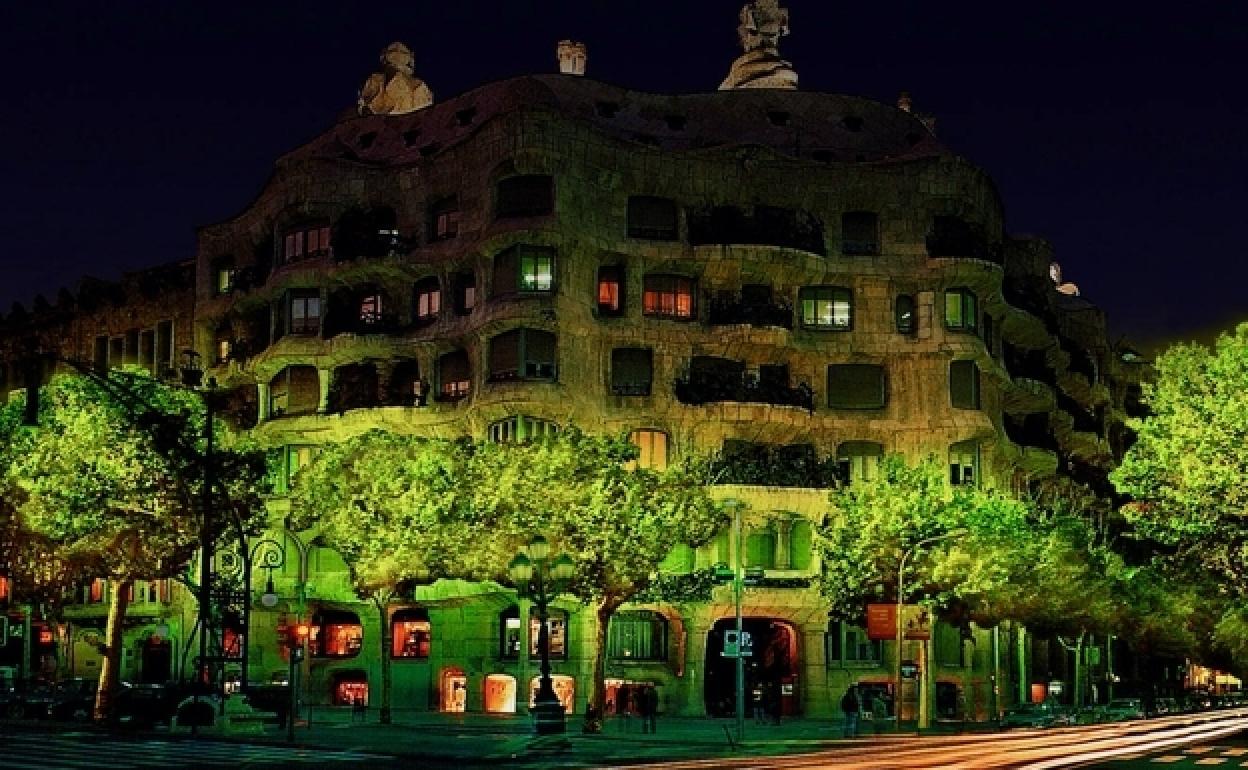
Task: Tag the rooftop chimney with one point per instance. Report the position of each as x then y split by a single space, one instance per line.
572 57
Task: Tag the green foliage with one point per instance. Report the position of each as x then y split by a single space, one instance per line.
685 588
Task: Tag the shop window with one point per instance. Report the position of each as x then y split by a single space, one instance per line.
906 317
637 635
860 233
350 688
530 195
453 695
652 218
454 376
521 428
565 691
668 296
336 635
856 386
410 634
444 219
500 694
527 354
652 448
964 384
961 310
557 629
523 268
826 307
849 645
632 371
428 299
510 637
304 312
305 242
611 290
465 292
964 464
858 461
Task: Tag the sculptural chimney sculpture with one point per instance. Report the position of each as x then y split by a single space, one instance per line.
394 90
763 23
572 57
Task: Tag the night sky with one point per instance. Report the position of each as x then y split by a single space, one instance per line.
1116 130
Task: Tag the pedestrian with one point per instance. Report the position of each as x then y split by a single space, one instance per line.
650 710
849 707
757 705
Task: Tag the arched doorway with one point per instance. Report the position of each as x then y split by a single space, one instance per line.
453 691
770 672
500 694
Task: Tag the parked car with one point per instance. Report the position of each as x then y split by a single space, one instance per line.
72 700
1045 714
1122 709
144 705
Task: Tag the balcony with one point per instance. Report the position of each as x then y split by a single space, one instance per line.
699 390
765 225
1029 364
952 237
753 464
730 309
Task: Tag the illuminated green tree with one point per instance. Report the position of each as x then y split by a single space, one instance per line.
617 523
110 479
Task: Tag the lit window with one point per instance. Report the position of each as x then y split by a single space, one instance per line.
223 350
668 296
410 634
524 268
98 591
465 292
370 310
652 446
537 271
961 310
859 460
557 629
336 635
306 243
4 588
610 281
827 307
297 458
509 633
454 376
225 280
444 218
428 299
305 313
964 464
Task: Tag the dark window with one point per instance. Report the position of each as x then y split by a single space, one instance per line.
856 386
668 296
295 390
305 242
116 352
787 228
907 319
961 310
955 237
100 353
523 354
964 384
166 354
611 290
444 219
858 460
147 350
411 634
520 428
637 635
454 376
304 312
632 371
524 269
465 292
827 307
427 300
860 233
354 386
849 645
132 347
525 196
964 464
652 218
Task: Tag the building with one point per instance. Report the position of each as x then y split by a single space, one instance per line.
804 281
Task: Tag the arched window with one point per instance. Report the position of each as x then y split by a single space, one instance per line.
411 633
637 635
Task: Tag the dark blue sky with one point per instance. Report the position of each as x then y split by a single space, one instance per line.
1116 130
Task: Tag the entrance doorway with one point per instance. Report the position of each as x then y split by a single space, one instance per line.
770 673
157 662
454 691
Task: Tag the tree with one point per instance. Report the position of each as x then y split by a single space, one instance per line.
617 522
110 478
398 510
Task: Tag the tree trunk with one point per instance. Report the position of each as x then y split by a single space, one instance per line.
387 676
595 712
110 671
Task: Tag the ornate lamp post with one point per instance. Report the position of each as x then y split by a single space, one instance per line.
537 577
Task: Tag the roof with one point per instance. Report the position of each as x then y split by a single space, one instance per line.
818 126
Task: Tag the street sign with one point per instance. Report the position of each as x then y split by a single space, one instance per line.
916 622
734 650
881 622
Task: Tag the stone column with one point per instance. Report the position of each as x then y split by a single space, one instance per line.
323 378
813 692
262 401
783 557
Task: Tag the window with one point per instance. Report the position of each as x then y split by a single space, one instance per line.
410 634
637 635
611 290
147 350
668 296
306 242
336 635
947 644
632 371
652 445
964 384
524 269
557 630
465 292
444 219
849 645
826 307
297 457
905 316
760 548
509 633
454 376
961 310
223 350
428 299
99 355
370 310
652 218
294 390
521 428
531 195
305 312
964 464
522 354
860 233
858 460
166 355
856 386
223 280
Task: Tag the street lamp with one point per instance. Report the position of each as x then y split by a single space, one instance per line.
901 595
537 577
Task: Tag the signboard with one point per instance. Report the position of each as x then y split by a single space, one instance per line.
881 622
916 622
733 649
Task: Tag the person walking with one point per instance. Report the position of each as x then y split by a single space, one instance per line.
849 707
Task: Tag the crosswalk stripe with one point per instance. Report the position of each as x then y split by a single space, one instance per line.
26 752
